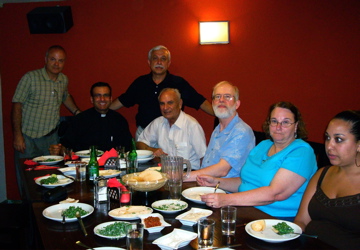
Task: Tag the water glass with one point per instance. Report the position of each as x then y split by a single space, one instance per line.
125 198
228 220
80 168
206 228
134 236
175 187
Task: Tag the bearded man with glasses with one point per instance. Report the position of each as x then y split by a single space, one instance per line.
231 140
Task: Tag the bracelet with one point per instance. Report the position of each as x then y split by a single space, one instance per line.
75 112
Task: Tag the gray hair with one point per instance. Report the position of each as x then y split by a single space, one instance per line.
236 90
176 91
58 47
159 47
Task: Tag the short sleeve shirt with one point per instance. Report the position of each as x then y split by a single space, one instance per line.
260 169
184 138
41 99
233 144
144 92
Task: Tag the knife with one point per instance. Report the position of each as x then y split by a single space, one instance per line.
78 216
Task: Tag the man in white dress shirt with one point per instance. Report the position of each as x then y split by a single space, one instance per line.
174 133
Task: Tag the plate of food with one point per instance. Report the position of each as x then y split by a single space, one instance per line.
176 239
169 206
192 216
86 153
112 230
194 194
108 173
129 212
53 181
272 230
153 223
69 209
48 159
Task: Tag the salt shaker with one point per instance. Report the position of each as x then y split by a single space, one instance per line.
101 192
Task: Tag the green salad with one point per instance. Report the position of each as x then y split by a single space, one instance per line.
117 229
171 207
71 212
283 228
50 180
50 159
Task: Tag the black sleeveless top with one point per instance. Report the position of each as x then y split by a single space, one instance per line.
335 221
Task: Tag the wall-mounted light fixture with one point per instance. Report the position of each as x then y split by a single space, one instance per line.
214 32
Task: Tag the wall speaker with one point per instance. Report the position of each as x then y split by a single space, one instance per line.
50 20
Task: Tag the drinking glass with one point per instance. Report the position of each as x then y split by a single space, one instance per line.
228 220
134 236
206 228
80 168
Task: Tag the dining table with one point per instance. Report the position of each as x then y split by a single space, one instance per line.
52 234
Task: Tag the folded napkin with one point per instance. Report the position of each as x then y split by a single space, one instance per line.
30 162
124 198
41 176
107 154
74 157
41 167
44 167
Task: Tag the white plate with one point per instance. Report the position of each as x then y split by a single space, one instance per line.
63 181
102 225
54 212
68 170
171 206
154 229
142 154
86 153
129 212
146 159
41 159
174 240
109 173
192 216
193 194
269 235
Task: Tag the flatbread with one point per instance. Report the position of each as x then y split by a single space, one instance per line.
130 211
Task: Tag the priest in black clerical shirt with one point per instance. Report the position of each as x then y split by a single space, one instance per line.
98 125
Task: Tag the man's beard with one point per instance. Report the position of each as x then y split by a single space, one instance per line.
223 113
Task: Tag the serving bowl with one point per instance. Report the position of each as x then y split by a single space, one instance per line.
141 153
144 186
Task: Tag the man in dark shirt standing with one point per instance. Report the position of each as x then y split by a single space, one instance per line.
99 125
145 90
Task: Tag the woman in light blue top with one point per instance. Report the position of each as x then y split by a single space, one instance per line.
276 171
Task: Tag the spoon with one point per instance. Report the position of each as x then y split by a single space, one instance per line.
83 245
216 187
307 235
63 216
78 216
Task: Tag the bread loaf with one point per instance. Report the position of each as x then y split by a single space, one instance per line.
258 225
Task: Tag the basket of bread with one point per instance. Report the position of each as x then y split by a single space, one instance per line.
148 180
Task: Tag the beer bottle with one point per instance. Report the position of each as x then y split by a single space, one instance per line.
132 159
93 166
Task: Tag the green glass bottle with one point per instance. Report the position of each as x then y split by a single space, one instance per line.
132 159
93 166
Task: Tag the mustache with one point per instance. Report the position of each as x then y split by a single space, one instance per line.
159 66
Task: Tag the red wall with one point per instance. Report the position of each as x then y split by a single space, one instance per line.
305 51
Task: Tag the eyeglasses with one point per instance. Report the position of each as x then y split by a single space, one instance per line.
227 97
284 124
